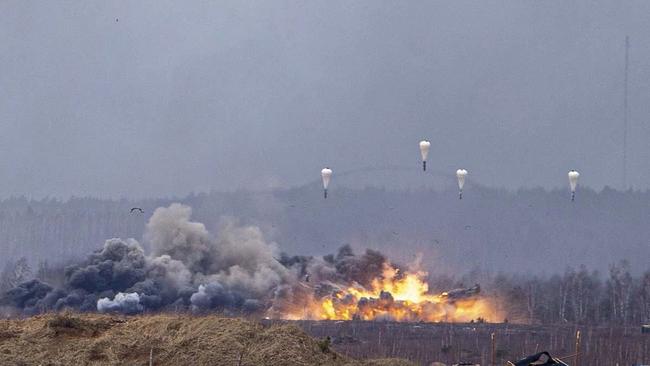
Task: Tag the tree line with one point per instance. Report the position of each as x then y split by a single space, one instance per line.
578 296
529 235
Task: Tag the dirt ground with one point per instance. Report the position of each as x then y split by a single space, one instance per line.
91 339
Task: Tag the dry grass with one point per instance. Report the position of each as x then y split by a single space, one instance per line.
73 339
388 362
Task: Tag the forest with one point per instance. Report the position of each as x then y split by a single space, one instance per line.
542 258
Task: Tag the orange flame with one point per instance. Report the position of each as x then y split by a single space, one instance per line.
396 295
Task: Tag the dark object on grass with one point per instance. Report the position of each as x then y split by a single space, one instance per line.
542 358
324 344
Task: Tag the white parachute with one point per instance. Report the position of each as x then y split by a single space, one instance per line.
461 174
424 151
573 182
326 174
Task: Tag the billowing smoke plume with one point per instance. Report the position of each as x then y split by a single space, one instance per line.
123 303
188 268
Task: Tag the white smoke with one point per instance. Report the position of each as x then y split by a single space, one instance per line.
170 232
128 303
238 264
246 261
172 272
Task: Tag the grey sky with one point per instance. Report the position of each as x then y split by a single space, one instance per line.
180 96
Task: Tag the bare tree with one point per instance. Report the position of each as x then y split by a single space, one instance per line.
644 289
620 291
15 273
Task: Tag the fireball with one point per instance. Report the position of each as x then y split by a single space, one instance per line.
395 295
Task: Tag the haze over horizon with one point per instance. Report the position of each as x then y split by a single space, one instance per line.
147 99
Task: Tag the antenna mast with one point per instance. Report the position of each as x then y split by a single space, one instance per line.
627 48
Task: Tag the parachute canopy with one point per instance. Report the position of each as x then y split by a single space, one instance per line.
326 173
573 182
424 151
573 179
461 174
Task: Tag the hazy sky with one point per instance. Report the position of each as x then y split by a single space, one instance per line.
148 98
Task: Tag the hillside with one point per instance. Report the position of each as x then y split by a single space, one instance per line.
67 339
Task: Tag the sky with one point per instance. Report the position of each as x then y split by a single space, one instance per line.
161 98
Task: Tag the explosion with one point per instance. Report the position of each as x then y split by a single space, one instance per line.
395 295
238 272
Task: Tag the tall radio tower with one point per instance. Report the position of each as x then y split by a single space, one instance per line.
627 48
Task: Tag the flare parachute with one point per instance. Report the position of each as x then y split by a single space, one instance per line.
326 174
573 182
461 174
424 151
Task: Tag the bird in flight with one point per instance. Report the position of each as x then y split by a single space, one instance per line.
137 209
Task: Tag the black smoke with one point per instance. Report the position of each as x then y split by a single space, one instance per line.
189 269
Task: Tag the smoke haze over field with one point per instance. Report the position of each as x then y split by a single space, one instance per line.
189 269
160 98
489 229
236 270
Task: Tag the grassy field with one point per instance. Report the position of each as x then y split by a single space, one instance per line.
450 343
171 339
71 339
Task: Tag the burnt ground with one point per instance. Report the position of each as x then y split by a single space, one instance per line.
425 343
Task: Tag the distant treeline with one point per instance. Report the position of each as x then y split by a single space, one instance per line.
543 258
577 296
528 231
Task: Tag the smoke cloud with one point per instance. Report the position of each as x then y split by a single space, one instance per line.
189 269
123 303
